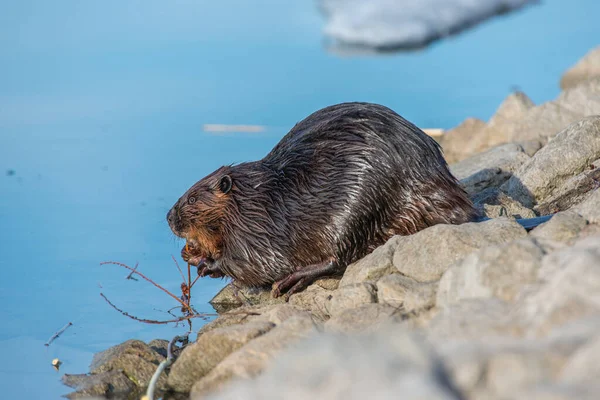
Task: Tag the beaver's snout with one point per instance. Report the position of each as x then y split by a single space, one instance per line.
174 221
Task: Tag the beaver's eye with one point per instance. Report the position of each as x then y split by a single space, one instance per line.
191 200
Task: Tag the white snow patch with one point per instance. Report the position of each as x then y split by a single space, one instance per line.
405 23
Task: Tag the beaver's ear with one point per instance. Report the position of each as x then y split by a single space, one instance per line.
225 184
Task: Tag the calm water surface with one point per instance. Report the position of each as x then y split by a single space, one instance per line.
101 112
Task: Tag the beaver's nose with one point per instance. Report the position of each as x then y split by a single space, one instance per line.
171 216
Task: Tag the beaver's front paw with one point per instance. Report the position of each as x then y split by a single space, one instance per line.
190 256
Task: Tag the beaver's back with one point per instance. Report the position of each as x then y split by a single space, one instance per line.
354 174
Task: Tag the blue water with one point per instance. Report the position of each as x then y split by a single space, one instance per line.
101 112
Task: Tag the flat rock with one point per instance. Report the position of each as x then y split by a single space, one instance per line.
366 318
199 358
494 271
563 227
231 297
381 365
351 296
586 68
406 294
250 360
426 255
373 266
568 154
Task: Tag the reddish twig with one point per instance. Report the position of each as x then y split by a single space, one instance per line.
151 321
131 273
186 306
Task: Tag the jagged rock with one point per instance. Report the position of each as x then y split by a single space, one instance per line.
590 208
373 266
366 318
563 227
500 271
569 153
383 365
231 297
586 68
493 203
134 358
502 124
490 168
584 98
254 357
455 142
350 297
573 191
199 358
426 255
406 294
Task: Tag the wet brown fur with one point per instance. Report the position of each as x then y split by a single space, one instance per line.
339 184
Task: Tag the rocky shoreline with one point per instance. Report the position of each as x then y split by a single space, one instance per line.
477 311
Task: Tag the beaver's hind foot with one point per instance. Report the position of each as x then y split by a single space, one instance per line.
300 279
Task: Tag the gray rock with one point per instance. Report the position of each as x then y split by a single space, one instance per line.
490 168
499 270
493 203
553 391
473 319
590 208
199 358
134 358
563 227
254 357
313 299
426 255
573 191
514 107
455 142
406 294
569 288
583 366
543 121
280 313
350 297
586 68
583 99
384 365
231 297
373 266
110 383
569 153
367 318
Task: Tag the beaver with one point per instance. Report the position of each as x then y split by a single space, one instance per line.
342 182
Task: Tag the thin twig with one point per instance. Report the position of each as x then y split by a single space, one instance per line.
147 279
189 281
164 364
131 273
177 265
57 334
151 321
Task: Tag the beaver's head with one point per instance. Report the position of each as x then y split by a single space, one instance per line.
198 214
